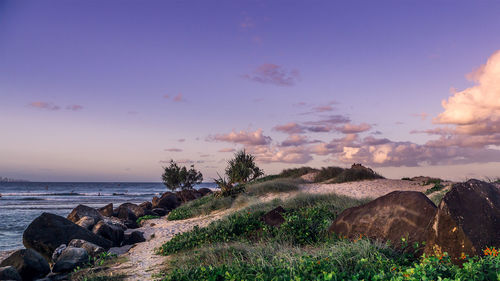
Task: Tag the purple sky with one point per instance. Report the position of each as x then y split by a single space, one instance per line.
107 90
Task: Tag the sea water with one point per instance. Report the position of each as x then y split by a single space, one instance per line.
22 202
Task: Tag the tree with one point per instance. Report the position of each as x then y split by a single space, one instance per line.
242 168
175 177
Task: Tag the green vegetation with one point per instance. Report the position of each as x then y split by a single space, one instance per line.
328 173
437 186
356 173
175 177
406 179
92 270
242 168
201 206
297 172
274 185
146 217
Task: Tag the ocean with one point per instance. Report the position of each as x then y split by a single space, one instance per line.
22 202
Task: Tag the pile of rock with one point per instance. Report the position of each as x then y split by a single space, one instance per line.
56 245
466 221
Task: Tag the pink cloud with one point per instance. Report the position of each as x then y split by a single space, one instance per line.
178 98
243 137
227 150
296 140
352 128
173 149
74 107
44 105
421 115
290 128
273 74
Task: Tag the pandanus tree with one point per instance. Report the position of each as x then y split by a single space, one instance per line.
175 177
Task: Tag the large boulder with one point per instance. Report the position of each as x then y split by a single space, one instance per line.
49 231
115 222
397 215
467 221
167 201
69 259
9 273
110 232
107 210
84 211
92 249
159 212
274 217
133 238
146 205
187 195
133 208
29 264
86 222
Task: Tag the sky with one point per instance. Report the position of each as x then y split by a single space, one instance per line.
112 90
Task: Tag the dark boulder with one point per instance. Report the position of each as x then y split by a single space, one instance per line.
133 208
29 264
159 212
9 273
49 231
133 238
274 217
131 224
167 201
204 191
125 214
397 215
115 222
467 221
69 259
110 232
84 211
86 222
187 195
146 205
92 249
58 251
107 210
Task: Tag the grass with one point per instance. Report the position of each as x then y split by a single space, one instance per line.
356 174
96 269
276 185
328 173
297 172
201 206
146 217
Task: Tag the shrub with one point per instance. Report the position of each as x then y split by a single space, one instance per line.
356 173
437 187
175 177
406 179
297 172
242 168
328 173
275 185
146 217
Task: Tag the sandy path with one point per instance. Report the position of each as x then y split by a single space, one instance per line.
367 188
141 261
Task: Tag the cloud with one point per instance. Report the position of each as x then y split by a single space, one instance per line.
291 155
330 121
269 73
290 128
243 137
177 98
296 140
227 150
44 105
74 107
421 115
353 129
205 155
173 149
181 140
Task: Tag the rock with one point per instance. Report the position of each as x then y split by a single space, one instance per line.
115 222
274 217
110 232
167 201
92 249
131 224
133 238
467 221
397 215
133 208
49 231
58 251
107 210
146 205
86 222
69 259
28 263
204 191
125 214
159 212
187 195
84 211
120 250
9 273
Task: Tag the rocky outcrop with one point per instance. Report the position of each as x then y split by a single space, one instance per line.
146 205
467 221
84 211
274 217
167 201
133 208
86 222
188 195
397 215
110 232
107 210
49 231
69 259
29 264
9 273
92 249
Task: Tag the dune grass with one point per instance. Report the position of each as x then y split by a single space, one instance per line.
356 174
297 172
201 206
272 186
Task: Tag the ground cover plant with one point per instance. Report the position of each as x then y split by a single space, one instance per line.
327 173
201 206
146 217
356 174
297 172
272 186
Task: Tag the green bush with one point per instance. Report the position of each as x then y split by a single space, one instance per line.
201 206
242 168
296 172
146 217
175 177
437 187
275 185
328 173
356 174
